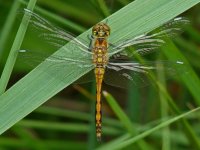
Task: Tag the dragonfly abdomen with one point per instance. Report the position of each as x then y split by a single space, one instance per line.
99 74
100 59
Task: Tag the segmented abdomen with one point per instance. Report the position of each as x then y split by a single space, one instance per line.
100 60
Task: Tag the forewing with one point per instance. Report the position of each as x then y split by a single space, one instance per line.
56 64
146 43
76 53
50 33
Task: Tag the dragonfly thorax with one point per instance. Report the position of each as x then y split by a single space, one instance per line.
100 57
101 30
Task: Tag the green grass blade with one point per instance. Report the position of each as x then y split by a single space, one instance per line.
14 51
58 18
64 127
192 82
70 10
126 122
192 137
164 113
12 143
7 26
74 115
148 132
63 112
28 138
190 78
103 7
46 125
37 87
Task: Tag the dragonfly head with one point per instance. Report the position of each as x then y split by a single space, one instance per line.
101 30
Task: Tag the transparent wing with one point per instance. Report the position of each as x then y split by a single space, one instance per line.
122 74
56 64
34 58
52 34
74 54
149 42
129 73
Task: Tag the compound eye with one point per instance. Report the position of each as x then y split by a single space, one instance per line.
107 33
94 32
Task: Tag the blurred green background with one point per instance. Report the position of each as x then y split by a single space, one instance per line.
66 121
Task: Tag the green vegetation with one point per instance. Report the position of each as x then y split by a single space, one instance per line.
160 116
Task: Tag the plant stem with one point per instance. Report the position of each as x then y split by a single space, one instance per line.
14 50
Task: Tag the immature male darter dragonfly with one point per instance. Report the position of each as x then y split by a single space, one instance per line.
108 60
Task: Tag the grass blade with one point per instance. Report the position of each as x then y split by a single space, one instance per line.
7 26
191 80
124 119
58 18
14 50
164 113
148 132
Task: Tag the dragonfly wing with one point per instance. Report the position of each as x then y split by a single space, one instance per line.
34 58
146 43
75 54
56 64
50 33
122 74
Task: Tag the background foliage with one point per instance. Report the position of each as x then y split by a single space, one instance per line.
66 121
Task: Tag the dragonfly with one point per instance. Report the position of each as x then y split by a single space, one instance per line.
111 63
